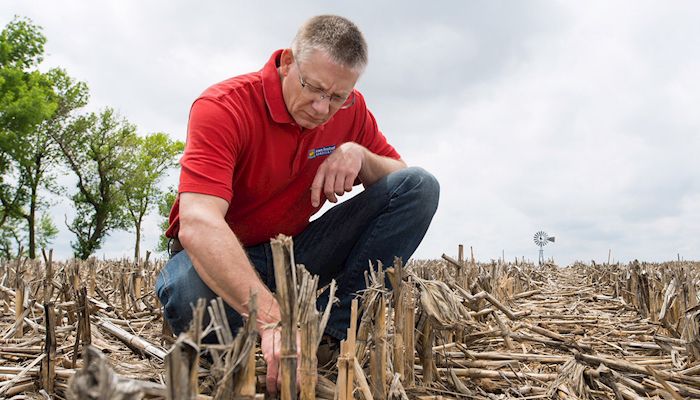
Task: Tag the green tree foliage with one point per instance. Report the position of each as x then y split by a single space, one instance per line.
21 44
23 105
98 149
46 231
154 155
13 237
42 155
117 172
164 207
10 239
32 103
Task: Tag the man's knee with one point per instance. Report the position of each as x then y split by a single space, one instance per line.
421 188
178 286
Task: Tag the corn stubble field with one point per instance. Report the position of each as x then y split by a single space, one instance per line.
451 328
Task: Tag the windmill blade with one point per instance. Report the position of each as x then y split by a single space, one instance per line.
540 238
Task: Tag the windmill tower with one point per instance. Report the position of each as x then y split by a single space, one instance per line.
541 239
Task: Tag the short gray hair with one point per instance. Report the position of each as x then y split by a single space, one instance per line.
336 36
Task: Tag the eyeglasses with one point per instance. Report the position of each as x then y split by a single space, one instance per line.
334 100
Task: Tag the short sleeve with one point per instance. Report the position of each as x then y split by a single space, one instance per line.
369 134
214 140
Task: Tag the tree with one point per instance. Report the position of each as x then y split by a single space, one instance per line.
9 240
23 104
41 154
30 103
97 148
13 236
30 157
46 231
154 155
21 44
164 207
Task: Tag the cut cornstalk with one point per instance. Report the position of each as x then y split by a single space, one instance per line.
92 276
286 297
309 347
378 357
350 349
398 348
428 338
181 369
361 380
48 364
409 326
19 305
342 383
134 342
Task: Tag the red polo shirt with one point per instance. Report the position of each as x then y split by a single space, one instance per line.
243 146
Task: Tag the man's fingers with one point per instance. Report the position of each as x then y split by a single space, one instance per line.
316 186
271 347
279 378
349 181
272 378
329 188
340 185
335 176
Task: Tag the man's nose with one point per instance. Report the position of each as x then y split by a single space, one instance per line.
321 106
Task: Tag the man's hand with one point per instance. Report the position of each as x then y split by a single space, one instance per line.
337 173
271 346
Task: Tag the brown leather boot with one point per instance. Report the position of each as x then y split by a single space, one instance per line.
328 352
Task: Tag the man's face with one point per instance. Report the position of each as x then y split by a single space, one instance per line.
317 71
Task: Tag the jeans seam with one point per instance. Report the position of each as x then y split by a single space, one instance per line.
165 295
361 257
164 290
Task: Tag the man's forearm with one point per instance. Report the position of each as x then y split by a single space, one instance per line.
222 264
375 167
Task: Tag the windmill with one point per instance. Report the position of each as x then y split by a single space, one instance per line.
541 238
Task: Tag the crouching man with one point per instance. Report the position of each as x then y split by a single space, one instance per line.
264 151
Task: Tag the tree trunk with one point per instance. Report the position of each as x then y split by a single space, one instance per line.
92 242
31 222
137 247
89 243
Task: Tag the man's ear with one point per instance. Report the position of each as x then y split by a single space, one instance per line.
286 61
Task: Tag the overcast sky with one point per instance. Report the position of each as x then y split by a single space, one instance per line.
577 118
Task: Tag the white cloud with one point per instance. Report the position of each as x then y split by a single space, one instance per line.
575 118
584 136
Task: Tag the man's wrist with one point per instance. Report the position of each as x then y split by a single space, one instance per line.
268 320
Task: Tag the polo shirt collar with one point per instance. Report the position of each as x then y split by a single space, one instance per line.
272 89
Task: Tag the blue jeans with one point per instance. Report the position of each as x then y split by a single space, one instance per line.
386 220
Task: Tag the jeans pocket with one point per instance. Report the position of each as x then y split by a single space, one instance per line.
164 280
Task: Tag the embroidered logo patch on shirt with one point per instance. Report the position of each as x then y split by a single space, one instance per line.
321 151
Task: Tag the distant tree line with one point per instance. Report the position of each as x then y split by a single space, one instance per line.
44 133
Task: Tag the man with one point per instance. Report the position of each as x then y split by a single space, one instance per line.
264 151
